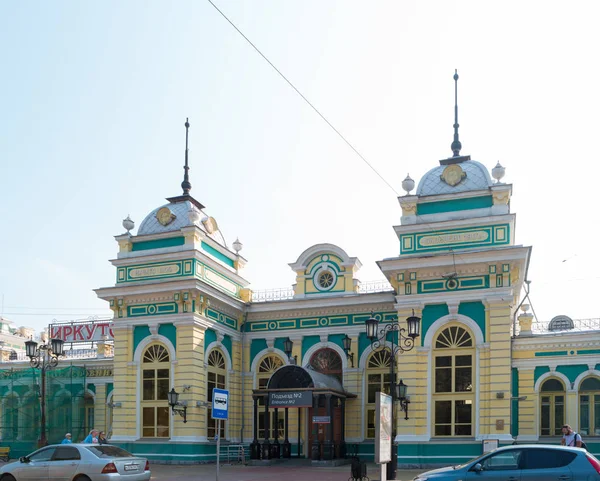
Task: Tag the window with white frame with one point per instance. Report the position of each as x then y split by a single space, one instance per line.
552 407
378 380
453 391
217 377
156 368
589 407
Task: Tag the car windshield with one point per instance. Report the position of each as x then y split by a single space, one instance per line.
106 451
460 466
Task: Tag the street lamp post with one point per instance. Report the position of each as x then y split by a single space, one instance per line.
406 341
44 357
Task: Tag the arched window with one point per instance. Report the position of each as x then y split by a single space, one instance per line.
217 376
378 380
327 361
266 368
453 391
552 412
156 369
589 407
59 417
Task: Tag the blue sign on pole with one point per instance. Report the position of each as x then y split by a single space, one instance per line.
220 404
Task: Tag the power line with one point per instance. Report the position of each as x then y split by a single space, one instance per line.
304 98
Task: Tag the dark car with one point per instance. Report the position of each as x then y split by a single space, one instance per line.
535 462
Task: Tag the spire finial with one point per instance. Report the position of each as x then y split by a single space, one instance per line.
186 185
456 145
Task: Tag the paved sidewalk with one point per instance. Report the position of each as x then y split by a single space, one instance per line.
207 472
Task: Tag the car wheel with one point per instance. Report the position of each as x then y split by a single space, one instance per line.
82 477
8 477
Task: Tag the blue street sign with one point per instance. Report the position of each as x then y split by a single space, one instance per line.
220 404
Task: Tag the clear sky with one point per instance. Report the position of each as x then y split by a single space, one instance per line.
94 96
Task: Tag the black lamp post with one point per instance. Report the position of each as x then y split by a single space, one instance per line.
347 343
406 341
173 397
44 357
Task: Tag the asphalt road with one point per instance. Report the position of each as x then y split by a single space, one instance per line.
207 472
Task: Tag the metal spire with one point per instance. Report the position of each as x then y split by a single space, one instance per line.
456 145
186 185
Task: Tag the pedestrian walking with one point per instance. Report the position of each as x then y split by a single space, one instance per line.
67 439
570 437
91 438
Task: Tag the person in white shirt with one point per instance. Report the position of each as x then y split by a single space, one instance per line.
570 438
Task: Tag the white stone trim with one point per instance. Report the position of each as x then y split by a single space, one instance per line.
223 349
323 345
152 339
552 373
582 376
437 325
260 355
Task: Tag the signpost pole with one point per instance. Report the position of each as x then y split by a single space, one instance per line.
218 446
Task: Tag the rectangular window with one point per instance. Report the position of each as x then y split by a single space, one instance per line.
443 374
545 416
584 415
596 415
453 417
463 376
370 423
559 414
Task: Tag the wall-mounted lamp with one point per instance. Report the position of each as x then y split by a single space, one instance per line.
287 347
176 405
402 397
113 405
347 344
202 404
186 387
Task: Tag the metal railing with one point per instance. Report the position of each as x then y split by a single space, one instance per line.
578 326
286 293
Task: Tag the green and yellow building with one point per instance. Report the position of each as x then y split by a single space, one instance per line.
185 317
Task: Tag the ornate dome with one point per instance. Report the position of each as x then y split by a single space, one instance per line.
474 177
174 216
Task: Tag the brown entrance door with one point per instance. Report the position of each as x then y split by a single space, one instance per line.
322 429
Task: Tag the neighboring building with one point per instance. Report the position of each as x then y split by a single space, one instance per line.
185 318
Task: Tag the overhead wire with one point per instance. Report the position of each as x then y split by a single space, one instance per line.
304 98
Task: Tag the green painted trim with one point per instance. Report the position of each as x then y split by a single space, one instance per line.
170 332
572 371
256 346
217 255
144 310
210 336
139 334
317 322
464 238
539 371
92 387
431 313
308 342
109 388
476 311
442 206
588 351
221 318
227 344
551 353
443 285
158 243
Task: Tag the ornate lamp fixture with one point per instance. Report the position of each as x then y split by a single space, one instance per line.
406 341
288 345
176 405
347 341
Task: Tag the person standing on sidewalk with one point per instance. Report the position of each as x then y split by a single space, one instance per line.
67 439
570 438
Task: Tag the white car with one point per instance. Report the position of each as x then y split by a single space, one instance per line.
78 462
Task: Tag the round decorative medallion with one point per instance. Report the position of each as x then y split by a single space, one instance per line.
451 284
323 321
210 224
326 280
453 175
272 325
151 309
165 216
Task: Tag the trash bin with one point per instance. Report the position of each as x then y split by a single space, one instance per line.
359 469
